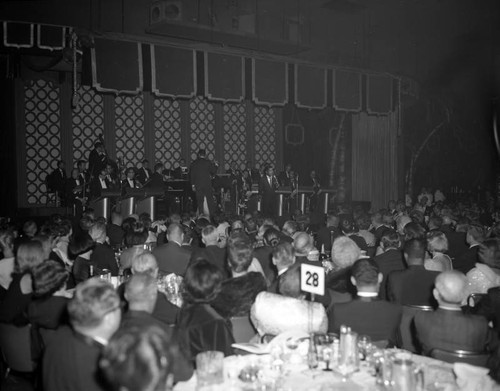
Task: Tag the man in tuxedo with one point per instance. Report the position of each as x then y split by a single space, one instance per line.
201 172
144 173
71 357
83 174
57 182
268 185
97 159
384 317
390 260
285 176
412 286
130 182
75 189
467 260
316 187
98 184
172 257
448 327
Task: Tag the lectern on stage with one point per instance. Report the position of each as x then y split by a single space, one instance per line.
326 197
304 192
102 205
147 202
127 204
282 192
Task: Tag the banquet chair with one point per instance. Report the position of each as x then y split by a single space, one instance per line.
243 330
407 337
474 358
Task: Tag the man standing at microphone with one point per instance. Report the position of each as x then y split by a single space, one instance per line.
201 172
268 185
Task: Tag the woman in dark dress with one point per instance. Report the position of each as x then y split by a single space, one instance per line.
19 294
199 326
47 311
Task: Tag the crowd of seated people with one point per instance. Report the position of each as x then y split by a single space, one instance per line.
54 277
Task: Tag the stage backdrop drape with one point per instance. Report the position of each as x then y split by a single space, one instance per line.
374 158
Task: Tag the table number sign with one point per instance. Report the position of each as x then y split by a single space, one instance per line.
312 279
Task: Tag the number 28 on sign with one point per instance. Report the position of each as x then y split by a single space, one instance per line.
312 279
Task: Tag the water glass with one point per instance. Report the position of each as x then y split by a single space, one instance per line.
364 345
209 369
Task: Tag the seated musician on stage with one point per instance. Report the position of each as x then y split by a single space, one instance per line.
130 182
285 177
181 170
98 184
112 177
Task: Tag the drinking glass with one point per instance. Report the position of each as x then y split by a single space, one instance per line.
209 368
364 345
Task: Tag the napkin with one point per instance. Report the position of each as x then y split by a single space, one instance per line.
472 378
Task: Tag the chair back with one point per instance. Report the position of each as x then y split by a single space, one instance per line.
474 299
15 345
407 334
243 330
452 356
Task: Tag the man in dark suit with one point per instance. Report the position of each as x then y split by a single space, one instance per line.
71 357
141 294
172 257
103 256
98 184
457 244
467 260
201 172
212 252
97 159
367 314
156 181
144 173
326 235
448 327
285 177
412 286
283 257
130 182
390 260
268 185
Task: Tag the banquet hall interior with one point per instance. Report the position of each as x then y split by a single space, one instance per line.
270 179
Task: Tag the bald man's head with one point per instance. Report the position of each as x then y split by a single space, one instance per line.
450 287
303 243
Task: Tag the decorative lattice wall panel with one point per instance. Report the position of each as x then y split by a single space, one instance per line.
235 134
129 129
43 141
88 123
202 123
167 123
265 135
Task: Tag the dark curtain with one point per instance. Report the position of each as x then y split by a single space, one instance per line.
316 150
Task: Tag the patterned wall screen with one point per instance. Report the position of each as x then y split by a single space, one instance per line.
167 125
202 123
129 129
88 123
43 142
234 134
265 135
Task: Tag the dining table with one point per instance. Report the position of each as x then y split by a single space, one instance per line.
289 371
